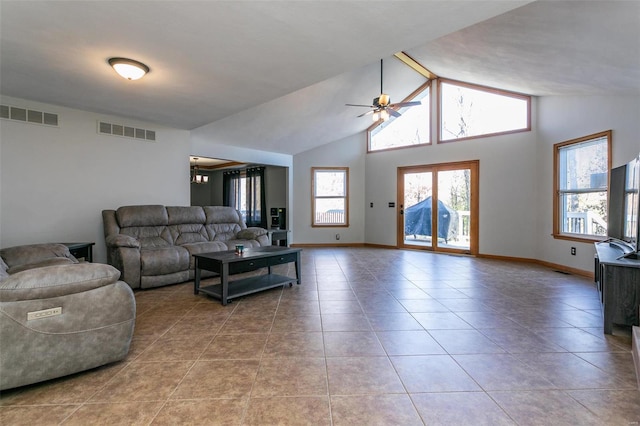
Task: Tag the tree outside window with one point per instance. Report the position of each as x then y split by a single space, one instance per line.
468 111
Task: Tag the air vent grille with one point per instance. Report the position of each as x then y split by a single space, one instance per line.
28 115
121 130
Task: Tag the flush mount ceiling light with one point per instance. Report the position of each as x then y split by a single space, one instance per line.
128 68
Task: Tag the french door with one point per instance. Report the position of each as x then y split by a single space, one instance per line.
438 207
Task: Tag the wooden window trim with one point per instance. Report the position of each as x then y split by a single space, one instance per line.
409 98
313 198
474 166
557 234
488 89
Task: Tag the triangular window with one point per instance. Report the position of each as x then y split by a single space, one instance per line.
410 129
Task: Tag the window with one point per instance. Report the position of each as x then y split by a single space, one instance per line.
330 196
244 191
410 129
581 180
468 111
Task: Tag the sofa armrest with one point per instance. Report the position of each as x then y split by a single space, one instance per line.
251 233
34 254
56 281
120 240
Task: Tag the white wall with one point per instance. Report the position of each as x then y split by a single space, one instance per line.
516 179
55 181
348 152
204 143
565 118
506 189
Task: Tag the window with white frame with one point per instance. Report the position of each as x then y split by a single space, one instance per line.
581 182
330 196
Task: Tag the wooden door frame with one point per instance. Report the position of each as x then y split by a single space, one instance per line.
474 167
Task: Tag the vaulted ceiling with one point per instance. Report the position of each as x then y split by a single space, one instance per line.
275 75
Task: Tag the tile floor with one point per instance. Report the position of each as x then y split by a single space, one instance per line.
371 337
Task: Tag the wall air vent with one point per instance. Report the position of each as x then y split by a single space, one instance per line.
121 130
28 115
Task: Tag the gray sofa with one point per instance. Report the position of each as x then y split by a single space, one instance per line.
59 316
153 245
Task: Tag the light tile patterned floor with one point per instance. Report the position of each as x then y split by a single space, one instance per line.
371 337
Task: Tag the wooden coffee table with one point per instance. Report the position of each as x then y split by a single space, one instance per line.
228 263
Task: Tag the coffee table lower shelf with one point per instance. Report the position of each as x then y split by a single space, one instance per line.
249 285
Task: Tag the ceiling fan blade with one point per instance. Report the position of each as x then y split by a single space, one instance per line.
367 113
405 104
357 105
393 112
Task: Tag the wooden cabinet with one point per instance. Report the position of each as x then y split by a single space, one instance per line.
618 282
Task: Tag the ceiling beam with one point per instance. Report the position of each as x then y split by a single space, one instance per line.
415 65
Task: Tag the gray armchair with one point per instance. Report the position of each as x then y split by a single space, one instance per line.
59 316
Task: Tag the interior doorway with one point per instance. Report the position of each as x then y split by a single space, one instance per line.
438 207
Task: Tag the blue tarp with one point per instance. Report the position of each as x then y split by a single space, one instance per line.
417 219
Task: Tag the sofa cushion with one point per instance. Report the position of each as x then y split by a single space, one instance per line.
188 214
223 214
223 231
251 233
163 260
32 253
206 247
188 233
149 236
146 215
57 280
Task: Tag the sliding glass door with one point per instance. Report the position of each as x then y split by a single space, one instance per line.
439 207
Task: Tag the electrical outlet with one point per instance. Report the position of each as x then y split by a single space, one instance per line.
573 251
337 236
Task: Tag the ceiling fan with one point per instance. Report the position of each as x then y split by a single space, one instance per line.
382 107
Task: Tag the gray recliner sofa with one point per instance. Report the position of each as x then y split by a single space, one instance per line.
153 245
59 316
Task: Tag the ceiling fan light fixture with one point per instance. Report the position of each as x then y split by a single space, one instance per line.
384 115
128 68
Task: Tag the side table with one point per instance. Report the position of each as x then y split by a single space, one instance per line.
279 237
81 251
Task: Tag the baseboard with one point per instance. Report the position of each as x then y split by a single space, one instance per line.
328 245
507 258
558 267
380 246
635 351
563 268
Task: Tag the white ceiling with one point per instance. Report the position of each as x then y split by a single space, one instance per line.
275 75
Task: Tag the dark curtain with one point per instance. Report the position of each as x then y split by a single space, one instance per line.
231 189
256 207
